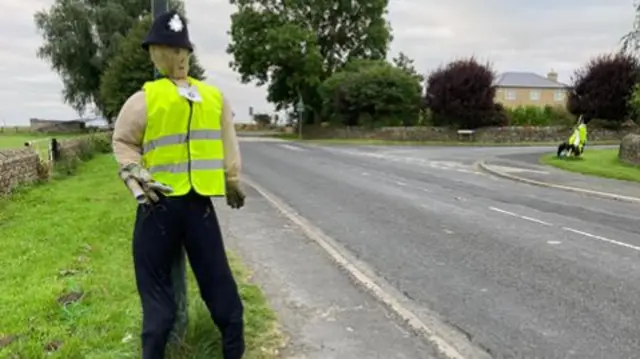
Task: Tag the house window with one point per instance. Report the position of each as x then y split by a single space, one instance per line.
558 96
510 95
534 95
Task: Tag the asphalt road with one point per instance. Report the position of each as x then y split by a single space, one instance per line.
525 272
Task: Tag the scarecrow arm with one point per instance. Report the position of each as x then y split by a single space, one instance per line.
129 130
230 142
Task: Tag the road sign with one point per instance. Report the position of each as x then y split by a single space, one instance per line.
300 105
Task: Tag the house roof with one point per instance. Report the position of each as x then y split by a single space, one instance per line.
526 79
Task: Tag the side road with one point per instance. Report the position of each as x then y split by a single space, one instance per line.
523 168
321 311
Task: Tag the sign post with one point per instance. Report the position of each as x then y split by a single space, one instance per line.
300 110
179 270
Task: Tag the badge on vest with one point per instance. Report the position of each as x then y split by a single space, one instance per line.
190 93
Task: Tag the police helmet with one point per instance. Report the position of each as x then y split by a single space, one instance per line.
169 29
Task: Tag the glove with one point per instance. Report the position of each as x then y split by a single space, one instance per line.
235 196
141 184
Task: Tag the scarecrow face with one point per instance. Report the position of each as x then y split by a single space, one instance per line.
170 61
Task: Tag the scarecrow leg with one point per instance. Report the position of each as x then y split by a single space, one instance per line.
179 280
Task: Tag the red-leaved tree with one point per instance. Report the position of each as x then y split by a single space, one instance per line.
461 94
603 87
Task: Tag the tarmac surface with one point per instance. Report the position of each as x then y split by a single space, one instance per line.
520 271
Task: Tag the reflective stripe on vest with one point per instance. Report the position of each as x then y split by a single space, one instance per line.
182 144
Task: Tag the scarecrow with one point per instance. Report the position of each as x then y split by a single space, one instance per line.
574 147
176 146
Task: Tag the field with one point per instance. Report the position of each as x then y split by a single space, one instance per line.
67 286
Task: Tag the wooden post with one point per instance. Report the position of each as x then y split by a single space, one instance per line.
179 268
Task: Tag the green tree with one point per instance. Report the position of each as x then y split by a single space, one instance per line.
292 46
130 67
80 37
372 93
631 41
404 62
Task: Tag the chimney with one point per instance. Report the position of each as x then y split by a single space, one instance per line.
553 76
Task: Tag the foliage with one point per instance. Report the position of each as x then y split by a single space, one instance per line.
603 88
80 37
461 94
293 46
402 61
634 103
262 119
539 116
130 68
631 41
371 93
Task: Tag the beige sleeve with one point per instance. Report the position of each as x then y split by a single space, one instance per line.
129 130
232 163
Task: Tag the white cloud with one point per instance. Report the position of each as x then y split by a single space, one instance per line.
513 35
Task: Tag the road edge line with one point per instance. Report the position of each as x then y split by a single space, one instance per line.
364 277
486 168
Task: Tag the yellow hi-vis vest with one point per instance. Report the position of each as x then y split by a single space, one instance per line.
579 136
182 145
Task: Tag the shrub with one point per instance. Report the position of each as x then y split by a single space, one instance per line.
77 150
604 87
371 93
539 116
461 94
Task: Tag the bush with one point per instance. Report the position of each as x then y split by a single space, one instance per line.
539 116
603 88
371 93
77 150
461 94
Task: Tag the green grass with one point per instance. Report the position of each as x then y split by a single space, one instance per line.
596 162
15 140
74 235
357 141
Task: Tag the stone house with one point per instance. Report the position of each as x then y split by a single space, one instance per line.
529 89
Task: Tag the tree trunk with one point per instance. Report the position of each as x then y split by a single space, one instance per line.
179 280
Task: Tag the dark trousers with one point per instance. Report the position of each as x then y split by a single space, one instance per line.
577 151
160 231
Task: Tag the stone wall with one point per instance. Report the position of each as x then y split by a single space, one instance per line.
18 167
23 166
630 149
436 134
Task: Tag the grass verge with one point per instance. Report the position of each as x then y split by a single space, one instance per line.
367 142
67 285
596 162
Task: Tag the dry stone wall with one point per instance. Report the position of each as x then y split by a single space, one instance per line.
24 166
18 167
630 149
489 135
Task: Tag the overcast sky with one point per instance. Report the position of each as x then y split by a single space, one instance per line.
515 35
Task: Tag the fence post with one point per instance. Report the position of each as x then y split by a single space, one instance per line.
54 151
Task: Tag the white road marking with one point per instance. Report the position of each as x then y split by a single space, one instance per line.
604 239
400 183
292 147
553 242
517 169
520 216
